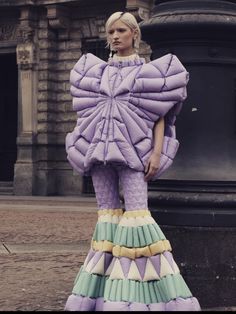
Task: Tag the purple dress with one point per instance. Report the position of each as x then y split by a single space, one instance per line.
117 105
129 266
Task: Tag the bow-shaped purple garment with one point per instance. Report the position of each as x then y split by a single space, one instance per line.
117 105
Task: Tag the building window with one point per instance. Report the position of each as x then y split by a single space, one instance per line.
95 46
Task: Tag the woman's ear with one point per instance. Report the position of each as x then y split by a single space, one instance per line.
135 34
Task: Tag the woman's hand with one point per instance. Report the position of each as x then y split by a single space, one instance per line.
152 165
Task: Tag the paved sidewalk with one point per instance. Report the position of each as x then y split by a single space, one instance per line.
44 241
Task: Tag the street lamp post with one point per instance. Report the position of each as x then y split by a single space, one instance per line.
195 200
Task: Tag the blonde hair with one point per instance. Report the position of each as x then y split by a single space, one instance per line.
128 19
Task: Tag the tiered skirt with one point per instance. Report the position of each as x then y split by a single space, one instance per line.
130 267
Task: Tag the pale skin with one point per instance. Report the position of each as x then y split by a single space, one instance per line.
154 160
121 38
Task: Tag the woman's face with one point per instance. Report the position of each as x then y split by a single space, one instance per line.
121 38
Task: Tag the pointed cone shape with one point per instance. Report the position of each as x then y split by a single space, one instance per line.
165 267
169 257
108 260
97 257
99 267
117 272
150 272
134 272
89 265
175 267
125 264
141 264
89 256
110 267
156 262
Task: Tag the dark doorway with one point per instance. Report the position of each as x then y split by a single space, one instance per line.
8 115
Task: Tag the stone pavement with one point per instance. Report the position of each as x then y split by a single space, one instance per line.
44 241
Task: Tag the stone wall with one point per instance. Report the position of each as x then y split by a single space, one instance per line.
49 42
59 51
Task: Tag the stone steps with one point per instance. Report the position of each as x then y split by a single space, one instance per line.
6 188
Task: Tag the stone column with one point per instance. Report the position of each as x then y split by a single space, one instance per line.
24 175
195 199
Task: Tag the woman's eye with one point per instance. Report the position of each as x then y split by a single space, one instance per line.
119 30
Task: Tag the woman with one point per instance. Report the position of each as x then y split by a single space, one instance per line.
125 134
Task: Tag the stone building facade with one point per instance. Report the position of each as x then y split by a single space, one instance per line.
40 41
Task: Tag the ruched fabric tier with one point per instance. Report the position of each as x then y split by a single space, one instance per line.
130 267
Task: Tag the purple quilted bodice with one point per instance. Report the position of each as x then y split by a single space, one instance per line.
117 105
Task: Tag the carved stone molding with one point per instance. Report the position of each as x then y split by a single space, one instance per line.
28 25
58 16
26 55
8 31
26 34
140 8
58 19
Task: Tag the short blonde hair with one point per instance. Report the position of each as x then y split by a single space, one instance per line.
128 19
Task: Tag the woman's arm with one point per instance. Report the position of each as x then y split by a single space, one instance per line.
154 160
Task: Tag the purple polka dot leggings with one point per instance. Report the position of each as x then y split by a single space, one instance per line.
108 179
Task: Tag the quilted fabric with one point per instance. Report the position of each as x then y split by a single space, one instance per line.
117 105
